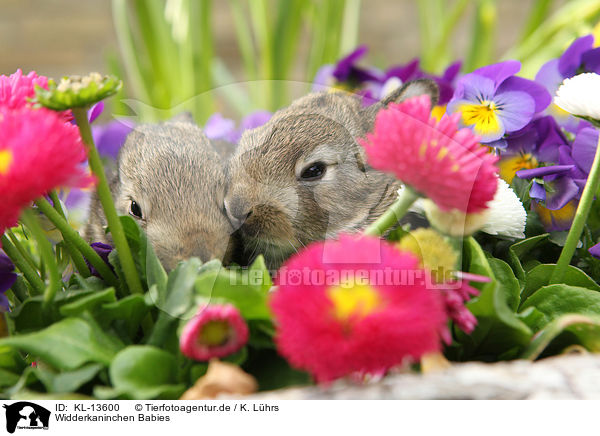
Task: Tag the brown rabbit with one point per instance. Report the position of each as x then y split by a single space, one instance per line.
303 176
171 180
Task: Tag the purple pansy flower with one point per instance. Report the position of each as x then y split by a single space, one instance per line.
347 71
110 137
7 279
580 57
595 251
220 128
493 101
557 188
412 71
560 186
255 119
103 251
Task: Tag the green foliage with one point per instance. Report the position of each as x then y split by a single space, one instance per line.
499 332
545 34
89 339
168 52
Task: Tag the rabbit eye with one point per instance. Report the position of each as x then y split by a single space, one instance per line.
314 171
135 210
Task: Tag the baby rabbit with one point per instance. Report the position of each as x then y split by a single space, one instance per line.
303 176
171 180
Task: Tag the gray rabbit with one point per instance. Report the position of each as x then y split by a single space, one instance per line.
171 180
303 176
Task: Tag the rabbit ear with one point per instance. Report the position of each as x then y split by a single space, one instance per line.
410 89
414 88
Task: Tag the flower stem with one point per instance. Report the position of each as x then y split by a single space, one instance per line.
116 229
21 249
30 273
581 216
75 255
71 235
396 211
30 219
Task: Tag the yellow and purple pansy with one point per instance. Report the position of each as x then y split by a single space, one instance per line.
493 101
557 188
537 142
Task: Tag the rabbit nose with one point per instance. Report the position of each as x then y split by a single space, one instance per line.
237 211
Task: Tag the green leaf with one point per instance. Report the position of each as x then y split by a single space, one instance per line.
127 312
235 288
521 248
69 381
144 372
585 328
178 300
506 279
88 303
180 288
273 372
31 315
499 330
11 360
554 301
68 344
259 275
8 378
540 275
92 283
27 378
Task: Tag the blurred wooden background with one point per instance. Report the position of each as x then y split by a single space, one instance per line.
57 37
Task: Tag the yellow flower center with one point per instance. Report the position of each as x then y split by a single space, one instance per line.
561 217
436 255
6 158
510 165
481 116
438 112
214 333
353 299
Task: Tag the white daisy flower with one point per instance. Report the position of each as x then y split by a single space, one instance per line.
505 215
580 95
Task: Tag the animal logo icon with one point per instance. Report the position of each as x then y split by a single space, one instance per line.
26 415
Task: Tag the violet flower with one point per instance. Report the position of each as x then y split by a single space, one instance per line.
347 71
103 251
412 71
218 127
579 57
7 279
560 186
595 251
493 101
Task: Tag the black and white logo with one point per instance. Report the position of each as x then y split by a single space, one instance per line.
26 416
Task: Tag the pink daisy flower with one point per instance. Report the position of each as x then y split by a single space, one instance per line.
38 152
216 331
16 89
352 315
433 157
